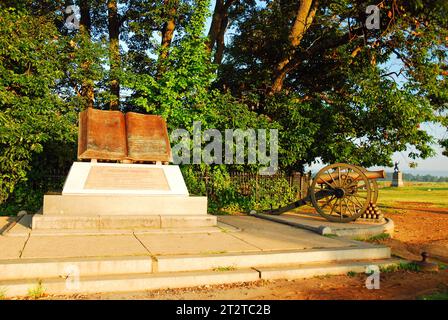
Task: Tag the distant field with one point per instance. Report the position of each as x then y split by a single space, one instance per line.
433 192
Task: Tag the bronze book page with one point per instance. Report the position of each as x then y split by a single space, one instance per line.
111 135
102 135
147 138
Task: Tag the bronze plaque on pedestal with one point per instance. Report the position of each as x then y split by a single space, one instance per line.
125 178
112 135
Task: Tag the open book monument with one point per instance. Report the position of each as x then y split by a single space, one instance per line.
135 188
112 135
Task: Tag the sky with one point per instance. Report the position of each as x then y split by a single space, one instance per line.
437 164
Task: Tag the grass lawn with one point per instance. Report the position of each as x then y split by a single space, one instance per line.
429 192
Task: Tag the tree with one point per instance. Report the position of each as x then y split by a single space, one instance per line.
218 27
315 67
31 113
304 15
114 52
87 88
170 9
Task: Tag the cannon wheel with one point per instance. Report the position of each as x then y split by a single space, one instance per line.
344 195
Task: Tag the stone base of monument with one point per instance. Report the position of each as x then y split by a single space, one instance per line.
397 179
123 196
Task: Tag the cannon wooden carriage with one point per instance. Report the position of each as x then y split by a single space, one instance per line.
340 192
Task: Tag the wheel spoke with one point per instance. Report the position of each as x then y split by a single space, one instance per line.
339 176
361 205
341 213
346 203
331 176
357 205
332 207
327 202
328 184
329 207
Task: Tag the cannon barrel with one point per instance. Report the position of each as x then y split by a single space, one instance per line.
380 174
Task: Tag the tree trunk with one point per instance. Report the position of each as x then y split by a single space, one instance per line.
167 32
304 17
85 21
114 53
85 25
218 28
220 39
215 26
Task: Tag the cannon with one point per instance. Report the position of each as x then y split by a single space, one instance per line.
339 192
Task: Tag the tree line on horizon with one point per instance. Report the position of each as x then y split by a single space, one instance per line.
424 177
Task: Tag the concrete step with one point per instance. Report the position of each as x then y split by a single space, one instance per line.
127 283
93 205
256 259
16 232
61 268
148 281
49 268
318 269
115 222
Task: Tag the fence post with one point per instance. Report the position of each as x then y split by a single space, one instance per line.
306 183
296 178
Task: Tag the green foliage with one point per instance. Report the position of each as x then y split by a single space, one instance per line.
224 269
180 93
351 274
31 113
183 93
375 238
226 194
435 296
36 292
331 235
440 294
402 266
2 293
443 266
49 170
423 178
350 95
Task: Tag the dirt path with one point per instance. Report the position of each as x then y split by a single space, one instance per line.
419 227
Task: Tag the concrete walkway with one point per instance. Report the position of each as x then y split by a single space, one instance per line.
247 247
233 234
320 225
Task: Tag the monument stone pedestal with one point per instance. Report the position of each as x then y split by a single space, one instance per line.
397 179
123 196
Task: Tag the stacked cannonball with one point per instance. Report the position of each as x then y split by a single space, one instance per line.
372 212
